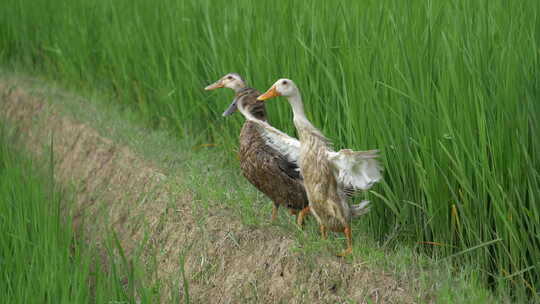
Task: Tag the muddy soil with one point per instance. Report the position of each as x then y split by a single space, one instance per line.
225 261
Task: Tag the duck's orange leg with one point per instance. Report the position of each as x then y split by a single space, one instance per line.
275 212
324 235
348 235
293 211
301 215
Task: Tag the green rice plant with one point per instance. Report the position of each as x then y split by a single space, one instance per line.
42 260
448 90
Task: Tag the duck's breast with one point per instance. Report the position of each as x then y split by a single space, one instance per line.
269 171
327 204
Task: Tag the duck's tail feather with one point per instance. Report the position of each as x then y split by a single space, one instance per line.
360 209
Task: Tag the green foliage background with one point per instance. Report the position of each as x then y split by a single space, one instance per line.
448 90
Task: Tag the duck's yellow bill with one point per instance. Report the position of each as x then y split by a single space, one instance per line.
271 93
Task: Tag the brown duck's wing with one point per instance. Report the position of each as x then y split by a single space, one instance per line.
284 144
286 148
288 167
288 182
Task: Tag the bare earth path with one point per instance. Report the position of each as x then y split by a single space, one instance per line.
225 261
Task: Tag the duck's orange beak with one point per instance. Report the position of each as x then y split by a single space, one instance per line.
271 93
216 85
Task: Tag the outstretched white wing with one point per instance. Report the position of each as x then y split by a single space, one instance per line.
356 170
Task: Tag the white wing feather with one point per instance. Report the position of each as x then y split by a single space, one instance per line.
286 145
357 170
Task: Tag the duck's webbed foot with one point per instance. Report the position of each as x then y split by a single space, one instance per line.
348 235
301 215
274 212
324 235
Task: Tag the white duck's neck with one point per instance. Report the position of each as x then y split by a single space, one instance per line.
300 119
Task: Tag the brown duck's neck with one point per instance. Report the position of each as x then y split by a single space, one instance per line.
258 111
238 87
249 106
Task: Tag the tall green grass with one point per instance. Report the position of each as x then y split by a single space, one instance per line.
448 90
41 258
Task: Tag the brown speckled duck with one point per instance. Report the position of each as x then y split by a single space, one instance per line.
263 166
328 175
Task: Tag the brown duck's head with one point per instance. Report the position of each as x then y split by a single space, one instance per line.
245 98
246 101
232 81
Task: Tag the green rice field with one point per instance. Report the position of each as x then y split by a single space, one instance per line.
449 91
42 260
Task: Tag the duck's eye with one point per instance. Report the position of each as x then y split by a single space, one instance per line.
229 77
285 82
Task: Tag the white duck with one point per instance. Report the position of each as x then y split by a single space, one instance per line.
328 175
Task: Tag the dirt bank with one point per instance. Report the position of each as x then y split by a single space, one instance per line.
226 262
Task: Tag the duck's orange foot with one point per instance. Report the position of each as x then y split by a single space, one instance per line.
348 235
301 215
324 235
274 212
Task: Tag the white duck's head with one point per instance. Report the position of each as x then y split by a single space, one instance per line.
283 87
232 81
